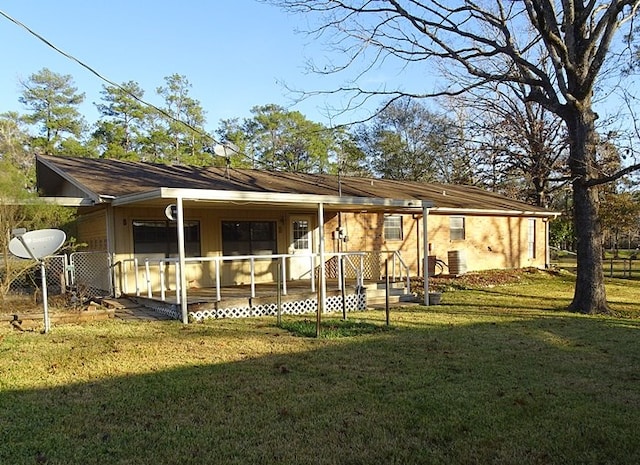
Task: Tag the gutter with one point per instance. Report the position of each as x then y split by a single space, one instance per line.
209 195
494 212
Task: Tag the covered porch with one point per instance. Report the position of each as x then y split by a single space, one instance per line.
333 278
351 284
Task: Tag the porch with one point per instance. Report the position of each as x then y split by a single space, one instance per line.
352 282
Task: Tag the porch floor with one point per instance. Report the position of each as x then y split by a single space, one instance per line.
198 295
236 300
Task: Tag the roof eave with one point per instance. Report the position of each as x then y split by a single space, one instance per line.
69 201
494 212
216 196
60 172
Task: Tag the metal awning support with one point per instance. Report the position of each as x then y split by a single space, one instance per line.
425 252
182 261
323 276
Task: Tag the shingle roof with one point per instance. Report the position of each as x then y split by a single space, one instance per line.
106 177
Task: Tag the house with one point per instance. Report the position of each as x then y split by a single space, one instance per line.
177 229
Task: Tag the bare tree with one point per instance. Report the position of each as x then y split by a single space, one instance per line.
523 145
498 41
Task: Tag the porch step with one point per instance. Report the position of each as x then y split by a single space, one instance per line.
119 303
376 295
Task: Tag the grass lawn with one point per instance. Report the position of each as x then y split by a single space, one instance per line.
494 375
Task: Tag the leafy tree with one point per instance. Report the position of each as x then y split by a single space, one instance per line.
407 141
21 208
620 214
155 142
281 140
561 233
52 101
499 42
185 124
14 141
350 160
122 117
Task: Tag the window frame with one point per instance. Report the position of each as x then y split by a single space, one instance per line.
164 240
457 233
531 238
251 237
397 229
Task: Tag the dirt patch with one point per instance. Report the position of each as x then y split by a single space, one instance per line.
478 280
29 311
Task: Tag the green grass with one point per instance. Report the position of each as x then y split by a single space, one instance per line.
614 266
332 328
499 375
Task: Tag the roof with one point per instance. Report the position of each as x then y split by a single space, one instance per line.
101 179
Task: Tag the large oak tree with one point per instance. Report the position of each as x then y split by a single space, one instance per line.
497 41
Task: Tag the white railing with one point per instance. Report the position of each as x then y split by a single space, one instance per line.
345 258
403 272
133 262
151 265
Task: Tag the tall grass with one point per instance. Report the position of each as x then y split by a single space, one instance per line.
497 375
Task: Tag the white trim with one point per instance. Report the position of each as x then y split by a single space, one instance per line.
425 252
182 261
322 302
218 196
62 201
487 212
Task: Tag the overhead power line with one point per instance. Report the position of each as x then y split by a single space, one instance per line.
105 79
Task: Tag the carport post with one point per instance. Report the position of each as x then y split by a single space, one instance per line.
182 262
425 252
322 295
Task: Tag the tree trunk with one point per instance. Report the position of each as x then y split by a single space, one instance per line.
590 294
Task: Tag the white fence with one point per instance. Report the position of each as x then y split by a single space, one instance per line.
152 278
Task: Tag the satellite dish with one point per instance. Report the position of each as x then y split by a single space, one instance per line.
37 244
226 149
171 212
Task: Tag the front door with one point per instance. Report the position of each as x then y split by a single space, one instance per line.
300 234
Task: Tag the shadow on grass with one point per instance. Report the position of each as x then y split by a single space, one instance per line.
552 390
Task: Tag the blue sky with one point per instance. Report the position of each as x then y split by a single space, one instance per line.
236 54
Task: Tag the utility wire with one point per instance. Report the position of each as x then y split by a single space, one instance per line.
108 81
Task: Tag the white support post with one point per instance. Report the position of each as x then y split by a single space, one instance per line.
425 252
182 286
148 277
218 296
110 227
313 272
323 276
177 277
136 277
163 291
547 254
252 265
284 275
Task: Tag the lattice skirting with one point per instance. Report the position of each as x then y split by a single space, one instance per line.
354 302
171 310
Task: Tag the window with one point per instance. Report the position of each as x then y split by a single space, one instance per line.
161 237
248 238
393 228
532 238
456 228
301 235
